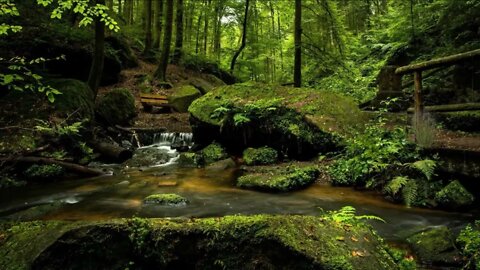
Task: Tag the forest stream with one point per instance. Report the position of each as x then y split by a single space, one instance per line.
211 193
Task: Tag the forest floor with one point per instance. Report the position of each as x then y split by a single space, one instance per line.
178 76
457 140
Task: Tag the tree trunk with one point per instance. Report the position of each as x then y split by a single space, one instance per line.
158 23
177 55
119 8
161 71
205 26
244 38
297 71
79 169
96 69
148 27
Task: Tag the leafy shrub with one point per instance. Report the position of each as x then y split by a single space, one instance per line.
370 154
469 240
44 171
260 156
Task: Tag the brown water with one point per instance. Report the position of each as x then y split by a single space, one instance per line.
210 193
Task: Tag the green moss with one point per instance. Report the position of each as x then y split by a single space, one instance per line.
454 195
213 152
166 199
286 179
117 107
76 97
260 156
189 159
435 246
328 111
25 241
232 242
183 96
44 172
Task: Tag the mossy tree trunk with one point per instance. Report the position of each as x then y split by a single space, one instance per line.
177 55
161 71
96 69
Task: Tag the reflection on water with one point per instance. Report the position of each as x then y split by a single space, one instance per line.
210 193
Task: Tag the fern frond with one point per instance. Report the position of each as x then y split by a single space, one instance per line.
394 186
426 166
410 193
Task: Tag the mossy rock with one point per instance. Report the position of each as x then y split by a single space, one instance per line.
279 180
122 50
454 195
76 97
299 122
435 246
189 159
44 172
117 107
260 156
182 97
468 121
212 153
231 242
165 199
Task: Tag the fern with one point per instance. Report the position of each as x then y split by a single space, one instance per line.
347 214
426 166
396 185
410 192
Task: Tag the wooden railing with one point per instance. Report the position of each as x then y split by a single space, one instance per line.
417 69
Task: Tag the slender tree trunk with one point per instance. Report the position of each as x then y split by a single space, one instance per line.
148 28
96 69
177 54
197 41
161 71
158 23
110 4
297 71
205 28
244 37
119 8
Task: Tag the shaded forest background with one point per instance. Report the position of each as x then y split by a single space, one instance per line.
344 43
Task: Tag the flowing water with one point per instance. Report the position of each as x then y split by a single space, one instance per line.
210 191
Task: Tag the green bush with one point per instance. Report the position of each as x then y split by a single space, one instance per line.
44 171
469 240
260 156
213 152
370 154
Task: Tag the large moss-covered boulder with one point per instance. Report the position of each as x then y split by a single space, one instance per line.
183 96
117 107
279 179
231 242
454 195
76 97
436 246
299 122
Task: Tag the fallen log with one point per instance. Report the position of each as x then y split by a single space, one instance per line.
141 129
450 108
111 151
79 169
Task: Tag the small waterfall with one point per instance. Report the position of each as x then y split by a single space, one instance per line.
173 138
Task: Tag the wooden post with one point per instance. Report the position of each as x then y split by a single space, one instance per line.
417 77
